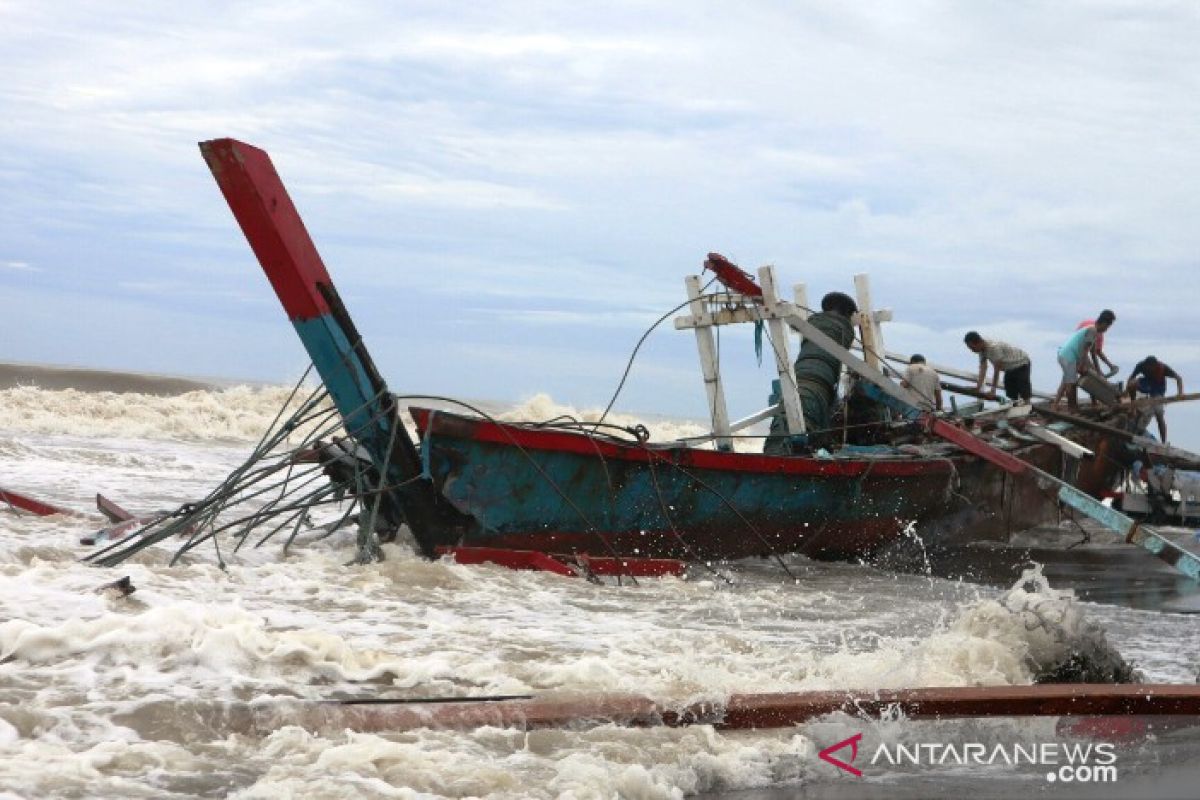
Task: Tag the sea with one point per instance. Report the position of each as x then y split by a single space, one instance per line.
105 695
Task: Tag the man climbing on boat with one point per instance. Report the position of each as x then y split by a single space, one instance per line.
1075 356
1012 361
817 373
1150 378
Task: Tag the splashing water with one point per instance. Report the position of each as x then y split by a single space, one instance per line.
107 696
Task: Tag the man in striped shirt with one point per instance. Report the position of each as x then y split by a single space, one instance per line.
1012 361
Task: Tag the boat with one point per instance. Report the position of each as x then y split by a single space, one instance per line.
575 489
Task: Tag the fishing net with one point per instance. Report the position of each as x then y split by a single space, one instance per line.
817 373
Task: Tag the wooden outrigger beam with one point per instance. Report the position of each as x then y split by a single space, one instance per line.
277 235
952 372
738 712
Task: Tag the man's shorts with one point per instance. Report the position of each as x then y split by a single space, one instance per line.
1155 399
1070 369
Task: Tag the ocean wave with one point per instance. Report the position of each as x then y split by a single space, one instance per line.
239 413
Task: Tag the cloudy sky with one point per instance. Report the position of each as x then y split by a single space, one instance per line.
507 194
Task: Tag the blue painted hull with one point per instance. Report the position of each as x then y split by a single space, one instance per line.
566 492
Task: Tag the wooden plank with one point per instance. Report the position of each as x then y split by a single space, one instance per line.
953 372
1145 537
1134 532
23 502
1069 447
707 347
1153 446
872 341
973 444
738 712
757 416
792 411
888 386
111 510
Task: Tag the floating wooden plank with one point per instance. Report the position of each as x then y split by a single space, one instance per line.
111 510
739 712
512 559
23 502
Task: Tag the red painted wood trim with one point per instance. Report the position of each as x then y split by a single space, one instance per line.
271 223
481 430
512 559
976 446
637 567
111 510
27 503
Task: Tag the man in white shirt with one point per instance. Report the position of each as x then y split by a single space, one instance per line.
1012 361
924 381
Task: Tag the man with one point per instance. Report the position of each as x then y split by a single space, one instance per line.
1113 369
1012 361
1150 378
817 373
1077 356
924 381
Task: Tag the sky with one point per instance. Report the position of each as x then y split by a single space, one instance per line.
508 194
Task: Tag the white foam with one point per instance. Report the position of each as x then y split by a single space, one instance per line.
239 413
72 662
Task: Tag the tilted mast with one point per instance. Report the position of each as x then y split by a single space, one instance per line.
277 235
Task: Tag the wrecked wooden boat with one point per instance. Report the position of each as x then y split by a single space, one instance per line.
535 487
570 488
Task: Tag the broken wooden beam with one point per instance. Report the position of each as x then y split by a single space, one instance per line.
23 502
738 712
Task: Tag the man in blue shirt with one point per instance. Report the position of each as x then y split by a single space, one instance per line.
1076 354
1150 378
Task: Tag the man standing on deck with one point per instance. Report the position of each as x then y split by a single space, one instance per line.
1012 361
1150 378
924 380
817 374
1076 354
1113 369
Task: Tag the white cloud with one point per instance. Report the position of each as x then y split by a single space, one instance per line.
1012 167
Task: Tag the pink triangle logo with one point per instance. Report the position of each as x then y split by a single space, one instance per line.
827 754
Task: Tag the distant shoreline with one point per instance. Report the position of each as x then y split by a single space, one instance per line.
46 376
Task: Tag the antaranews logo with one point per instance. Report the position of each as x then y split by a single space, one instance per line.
1069 762
827 754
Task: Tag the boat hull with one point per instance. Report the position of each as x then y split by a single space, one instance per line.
562 492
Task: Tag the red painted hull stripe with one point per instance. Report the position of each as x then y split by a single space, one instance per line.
565 442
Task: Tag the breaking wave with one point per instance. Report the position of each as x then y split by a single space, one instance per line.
240 413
